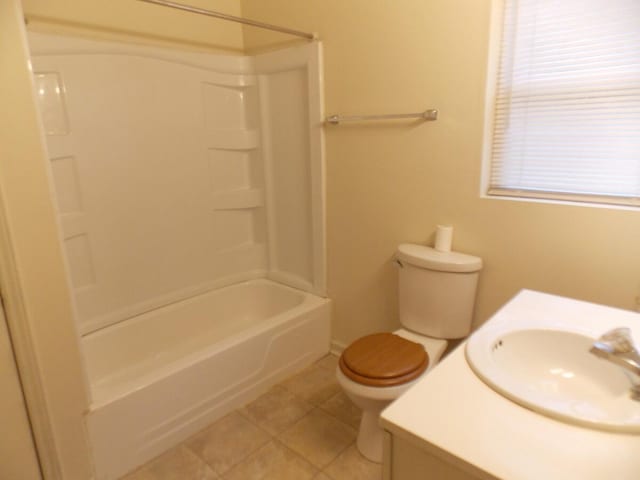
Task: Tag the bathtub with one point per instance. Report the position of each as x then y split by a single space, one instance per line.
162 376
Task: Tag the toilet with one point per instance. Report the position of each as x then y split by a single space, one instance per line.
436 299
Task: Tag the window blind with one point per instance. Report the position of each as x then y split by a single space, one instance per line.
567 103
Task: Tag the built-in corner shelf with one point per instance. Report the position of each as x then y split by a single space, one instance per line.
238 199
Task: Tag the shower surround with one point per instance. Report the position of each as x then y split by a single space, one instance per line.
190 192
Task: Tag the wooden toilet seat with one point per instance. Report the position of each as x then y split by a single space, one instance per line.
383 360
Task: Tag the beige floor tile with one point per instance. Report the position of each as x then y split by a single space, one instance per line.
351 465
313 385
177 464
227 442
274 461
276 410
329 362
341 407
318 437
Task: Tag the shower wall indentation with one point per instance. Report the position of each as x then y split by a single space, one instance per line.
238 199
65 180
235 163
80 262
224 107
233 229
230 169
51 102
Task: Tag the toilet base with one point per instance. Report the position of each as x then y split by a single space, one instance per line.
371 436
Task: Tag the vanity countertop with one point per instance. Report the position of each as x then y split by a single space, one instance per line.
453 415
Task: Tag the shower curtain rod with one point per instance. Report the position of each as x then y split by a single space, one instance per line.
224 16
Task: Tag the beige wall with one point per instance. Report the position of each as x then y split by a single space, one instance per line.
393 184
137 21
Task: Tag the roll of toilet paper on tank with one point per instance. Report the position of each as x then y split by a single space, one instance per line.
444 237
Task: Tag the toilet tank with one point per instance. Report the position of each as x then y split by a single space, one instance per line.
437 290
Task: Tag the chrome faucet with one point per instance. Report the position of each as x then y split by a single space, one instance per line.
616 346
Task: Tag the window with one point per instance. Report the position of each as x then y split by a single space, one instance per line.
566 102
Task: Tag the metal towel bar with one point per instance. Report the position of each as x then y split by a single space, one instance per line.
426 115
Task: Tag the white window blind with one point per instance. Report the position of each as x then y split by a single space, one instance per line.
567 104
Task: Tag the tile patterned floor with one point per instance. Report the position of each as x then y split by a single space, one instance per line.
304 428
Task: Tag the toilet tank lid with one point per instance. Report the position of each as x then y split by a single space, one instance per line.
427 257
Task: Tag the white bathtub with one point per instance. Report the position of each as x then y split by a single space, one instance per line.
160 377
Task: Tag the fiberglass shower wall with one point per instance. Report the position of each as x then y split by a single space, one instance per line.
178 172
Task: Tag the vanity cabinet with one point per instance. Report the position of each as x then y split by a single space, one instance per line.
403 460
452 426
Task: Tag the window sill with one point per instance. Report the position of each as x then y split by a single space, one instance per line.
593 201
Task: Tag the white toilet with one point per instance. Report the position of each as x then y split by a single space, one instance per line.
436 298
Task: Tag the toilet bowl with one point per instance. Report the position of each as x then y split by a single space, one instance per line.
436 298
373 399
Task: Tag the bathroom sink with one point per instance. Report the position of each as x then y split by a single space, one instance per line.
552 372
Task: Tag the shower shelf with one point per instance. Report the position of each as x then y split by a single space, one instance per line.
238 199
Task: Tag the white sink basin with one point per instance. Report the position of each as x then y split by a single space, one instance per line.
553 373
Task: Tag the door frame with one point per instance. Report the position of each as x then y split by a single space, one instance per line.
33 278
17 448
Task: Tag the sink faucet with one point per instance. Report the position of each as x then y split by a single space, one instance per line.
616 346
